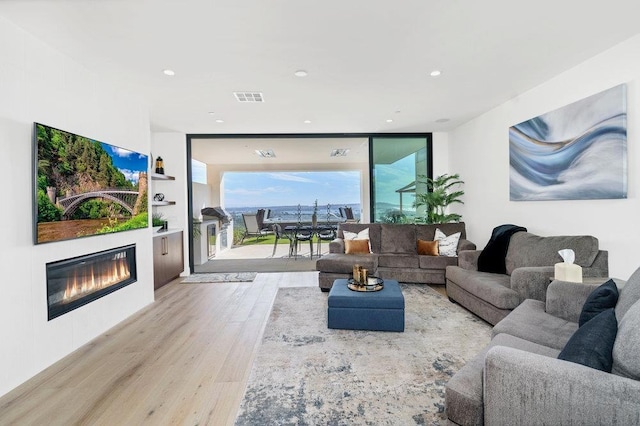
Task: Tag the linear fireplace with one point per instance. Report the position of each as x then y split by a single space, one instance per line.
72 283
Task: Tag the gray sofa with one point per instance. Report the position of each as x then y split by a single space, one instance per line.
530 261
518 379
394 254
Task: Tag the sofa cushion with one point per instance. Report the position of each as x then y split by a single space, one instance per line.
374 232
428 248
428 232
342 264
398 261
592 343
356 247
526 249
492 288
602 298
463 392
529 321
447 244
363 235
626 349
437 262
398 239
629 295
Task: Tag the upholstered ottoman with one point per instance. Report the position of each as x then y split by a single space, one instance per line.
377 310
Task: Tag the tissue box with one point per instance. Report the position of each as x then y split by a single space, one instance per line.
568 272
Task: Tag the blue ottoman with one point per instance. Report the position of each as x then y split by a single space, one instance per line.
376 310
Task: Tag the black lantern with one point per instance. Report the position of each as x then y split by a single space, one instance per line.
159 166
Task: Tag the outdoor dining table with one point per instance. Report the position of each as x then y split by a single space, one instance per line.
293 232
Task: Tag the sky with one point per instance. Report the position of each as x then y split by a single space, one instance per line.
128 162
251 189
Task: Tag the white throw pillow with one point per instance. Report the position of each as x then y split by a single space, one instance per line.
447 245
362 235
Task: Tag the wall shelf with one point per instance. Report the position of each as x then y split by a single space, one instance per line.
163 203
157 176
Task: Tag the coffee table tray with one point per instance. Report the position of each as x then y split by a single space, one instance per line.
352 285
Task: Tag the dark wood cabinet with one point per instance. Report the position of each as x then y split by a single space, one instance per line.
168 258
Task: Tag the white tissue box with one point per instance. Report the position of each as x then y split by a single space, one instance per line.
568 272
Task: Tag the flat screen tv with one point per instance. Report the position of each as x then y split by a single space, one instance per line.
84 187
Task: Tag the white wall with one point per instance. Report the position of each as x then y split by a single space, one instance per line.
42 85
172 147
479 151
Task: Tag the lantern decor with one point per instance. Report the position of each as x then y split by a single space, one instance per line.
159 166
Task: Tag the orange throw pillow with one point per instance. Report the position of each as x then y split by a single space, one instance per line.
428 248
356 246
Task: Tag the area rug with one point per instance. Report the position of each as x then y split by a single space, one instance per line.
220 277
307 374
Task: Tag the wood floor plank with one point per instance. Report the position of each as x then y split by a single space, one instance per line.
184 359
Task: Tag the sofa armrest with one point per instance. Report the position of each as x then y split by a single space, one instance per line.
525 388
531 282
565 299
465 245
468 259
336 246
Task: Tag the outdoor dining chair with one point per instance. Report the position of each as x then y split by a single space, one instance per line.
277 230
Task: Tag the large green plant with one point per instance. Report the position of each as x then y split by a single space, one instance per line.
438 196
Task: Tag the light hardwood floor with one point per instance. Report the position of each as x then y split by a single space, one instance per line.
185 360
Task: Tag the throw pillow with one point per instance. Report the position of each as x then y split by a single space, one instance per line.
428 248
362 235
600 299
356 246
447 245
592 344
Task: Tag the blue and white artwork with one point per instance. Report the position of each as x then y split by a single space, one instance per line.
577 152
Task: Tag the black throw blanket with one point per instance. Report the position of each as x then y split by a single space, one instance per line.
492 258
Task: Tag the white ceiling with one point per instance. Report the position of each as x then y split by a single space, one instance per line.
368 60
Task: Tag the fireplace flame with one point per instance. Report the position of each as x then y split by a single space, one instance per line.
90 278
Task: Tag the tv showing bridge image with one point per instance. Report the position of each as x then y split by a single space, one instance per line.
85 187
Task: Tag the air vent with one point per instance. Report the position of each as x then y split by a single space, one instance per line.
340 152
249 96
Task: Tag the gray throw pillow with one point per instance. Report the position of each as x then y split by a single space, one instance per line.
600 299
592 344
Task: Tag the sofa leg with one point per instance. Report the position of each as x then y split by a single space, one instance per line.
451 300
325 290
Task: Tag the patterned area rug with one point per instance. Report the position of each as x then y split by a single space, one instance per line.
307 374
220 277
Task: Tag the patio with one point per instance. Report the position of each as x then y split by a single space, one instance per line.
252 257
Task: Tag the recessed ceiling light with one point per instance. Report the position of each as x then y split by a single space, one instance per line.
266 153
435 73
211 113
300 73
219 121
388 120
442 120
307 121
169 72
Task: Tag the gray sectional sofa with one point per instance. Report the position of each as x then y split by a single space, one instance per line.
529 262
518 379
394 253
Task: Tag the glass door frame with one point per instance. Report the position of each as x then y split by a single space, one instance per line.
429 147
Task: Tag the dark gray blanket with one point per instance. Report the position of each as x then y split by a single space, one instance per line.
492 258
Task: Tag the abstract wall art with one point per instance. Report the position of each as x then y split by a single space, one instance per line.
576 152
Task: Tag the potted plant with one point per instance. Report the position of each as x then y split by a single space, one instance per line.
157 221
438 197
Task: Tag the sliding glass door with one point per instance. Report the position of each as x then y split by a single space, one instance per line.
396 165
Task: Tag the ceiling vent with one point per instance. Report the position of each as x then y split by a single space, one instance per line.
249 96
267 153
340 152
